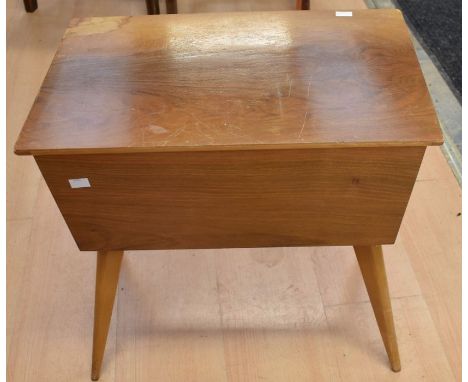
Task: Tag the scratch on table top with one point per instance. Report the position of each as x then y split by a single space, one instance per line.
95 25
156 112
176 133
303 123
203 132
279 95
155 129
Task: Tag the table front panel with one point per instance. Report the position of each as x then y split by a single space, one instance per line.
258 198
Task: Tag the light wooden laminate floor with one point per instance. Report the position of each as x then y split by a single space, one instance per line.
298 314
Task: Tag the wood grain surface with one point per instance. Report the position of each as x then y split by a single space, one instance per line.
232 80
228 199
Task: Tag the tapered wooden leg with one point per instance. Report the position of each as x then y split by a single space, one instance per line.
171 6
30 5
372 266
107 278
152 7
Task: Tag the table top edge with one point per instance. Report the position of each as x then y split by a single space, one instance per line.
253 147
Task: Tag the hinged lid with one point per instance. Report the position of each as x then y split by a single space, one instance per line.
232 81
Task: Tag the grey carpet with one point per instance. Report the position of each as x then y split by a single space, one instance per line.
438 24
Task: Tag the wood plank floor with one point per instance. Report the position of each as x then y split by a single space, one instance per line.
298 314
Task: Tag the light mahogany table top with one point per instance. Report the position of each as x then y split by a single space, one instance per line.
229 81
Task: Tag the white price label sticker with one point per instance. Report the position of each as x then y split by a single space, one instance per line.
79 183
344 14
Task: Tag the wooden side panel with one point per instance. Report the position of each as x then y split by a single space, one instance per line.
352 196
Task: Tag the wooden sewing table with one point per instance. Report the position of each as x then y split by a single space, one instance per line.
233 130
